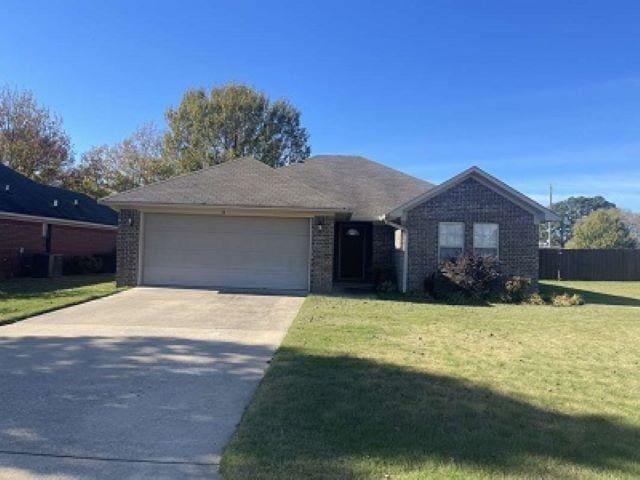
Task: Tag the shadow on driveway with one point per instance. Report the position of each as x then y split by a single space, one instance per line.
162 407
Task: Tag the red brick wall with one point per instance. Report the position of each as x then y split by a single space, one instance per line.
82 241
469 202
13 236
64 239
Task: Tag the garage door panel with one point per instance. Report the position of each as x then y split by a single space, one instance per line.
231 225
190 260
241 252
227 242
228 277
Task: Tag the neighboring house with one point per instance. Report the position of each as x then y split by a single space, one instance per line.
308 226
36 218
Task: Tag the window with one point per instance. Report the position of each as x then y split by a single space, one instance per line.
485 239
450 240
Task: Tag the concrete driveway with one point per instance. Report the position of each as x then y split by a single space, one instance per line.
148 383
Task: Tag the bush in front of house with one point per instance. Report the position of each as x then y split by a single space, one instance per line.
516 289
566 300
535 299
82 265
384 280
475 277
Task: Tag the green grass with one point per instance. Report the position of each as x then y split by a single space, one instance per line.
23 297
364 388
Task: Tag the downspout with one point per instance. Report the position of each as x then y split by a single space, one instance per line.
405 249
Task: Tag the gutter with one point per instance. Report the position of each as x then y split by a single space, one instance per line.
219 209
405 249
55 221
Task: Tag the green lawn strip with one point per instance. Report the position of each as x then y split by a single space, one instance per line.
21 298
363 388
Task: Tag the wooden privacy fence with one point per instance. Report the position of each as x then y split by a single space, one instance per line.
579 264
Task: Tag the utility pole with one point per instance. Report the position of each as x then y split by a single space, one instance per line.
550 207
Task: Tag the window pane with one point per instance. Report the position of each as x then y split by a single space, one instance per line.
485 235
449 253
486 252
451 235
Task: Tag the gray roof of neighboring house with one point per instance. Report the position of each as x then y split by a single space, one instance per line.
26 197
244 182
368 188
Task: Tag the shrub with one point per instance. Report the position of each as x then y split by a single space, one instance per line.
384 280
476 276
516 288
535 299
439 287
387 286
82 264
566 300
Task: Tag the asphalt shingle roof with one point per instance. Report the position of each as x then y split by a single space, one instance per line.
27 197
244 182
368 188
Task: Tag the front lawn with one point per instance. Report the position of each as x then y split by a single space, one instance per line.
368 388
24 297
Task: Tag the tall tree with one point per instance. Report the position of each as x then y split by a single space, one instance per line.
632 220
93 174
602 228
138 160
135 161
32 139
570 211
234 121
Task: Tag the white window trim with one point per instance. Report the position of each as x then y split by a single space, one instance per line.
497 237
463 236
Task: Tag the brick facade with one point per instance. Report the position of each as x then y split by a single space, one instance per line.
382 248
69 240
322 243
470 202
27 236
127 250
14 236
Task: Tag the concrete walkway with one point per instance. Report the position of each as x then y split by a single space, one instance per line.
148 383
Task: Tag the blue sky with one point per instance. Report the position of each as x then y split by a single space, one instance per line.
534 92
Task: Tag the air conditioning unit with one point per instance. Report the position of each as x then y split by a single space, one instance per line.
46 265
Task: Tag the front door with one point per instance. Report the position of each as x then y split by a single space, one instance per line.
352 251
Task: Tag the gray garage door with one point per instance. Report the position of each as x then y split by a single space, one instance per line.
221 251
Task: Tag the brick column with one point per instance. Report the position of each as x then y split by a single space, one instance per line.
127 248
322 254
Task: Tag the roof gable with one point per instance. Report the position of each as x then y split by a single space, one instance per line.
541 213
27 197
242 183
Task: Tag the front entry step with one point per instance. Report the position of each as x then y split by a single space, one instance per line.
349 288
